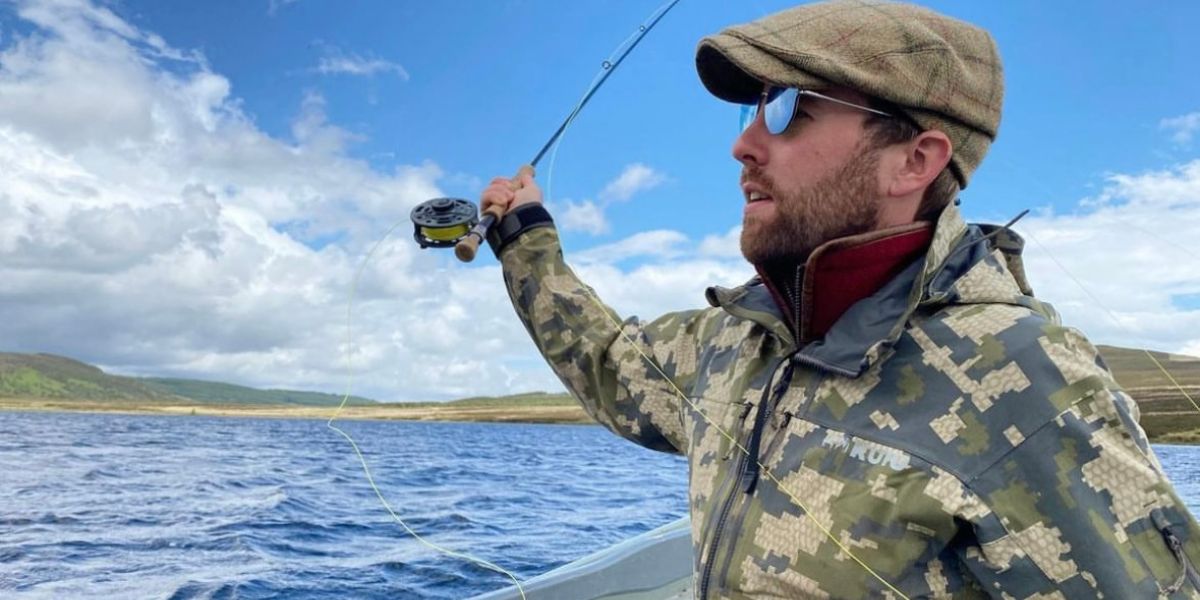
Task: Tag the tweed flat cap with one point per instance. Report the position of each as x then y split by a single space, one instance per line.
943 73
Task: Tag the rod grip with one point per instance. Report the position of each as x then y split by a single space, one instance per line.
468 246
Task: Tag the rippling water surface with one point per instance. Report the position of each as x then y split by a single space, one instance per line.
195 507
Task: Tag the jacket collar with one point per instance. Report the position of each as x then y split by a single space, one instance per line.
959 267
839 273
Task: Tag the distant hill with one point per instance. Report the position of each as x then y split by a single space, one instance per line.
1167 413
50 376
47 376
522 400
215 392
1133 369
1165 410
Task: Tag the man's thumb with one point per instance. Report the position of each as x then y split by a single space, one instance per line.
525 176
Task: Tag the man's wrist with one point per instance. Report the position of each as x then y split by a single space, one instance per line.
516 223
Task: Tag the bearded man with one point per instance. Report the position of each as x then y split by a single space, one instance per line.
885 410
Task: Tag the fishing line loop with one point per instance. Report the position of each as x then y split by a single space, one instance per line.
608 67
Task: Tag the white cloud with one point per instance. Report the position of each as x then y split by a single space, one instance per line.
728 245
583 216
588 216
652 290
273 6
1128 252
152 228
339 62
636 178
1182 128
312 130
1114 268
658 244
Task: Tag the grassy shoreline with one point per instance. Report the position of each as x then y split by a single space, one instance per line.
564 414
1163 427
1169 406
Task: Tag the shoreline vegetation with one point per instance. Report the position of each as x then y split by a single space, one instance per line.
564 411
48 383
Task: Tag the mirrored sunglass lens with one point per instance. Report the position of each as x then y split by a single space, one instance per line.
779 110
746 119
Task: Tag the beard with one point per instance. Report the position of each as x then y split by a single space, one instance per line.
839 205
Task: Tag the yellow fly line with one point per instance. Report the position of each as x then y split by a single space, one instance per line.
449 234
1036 182
362 459
791 494
766 472
1114 318
445 234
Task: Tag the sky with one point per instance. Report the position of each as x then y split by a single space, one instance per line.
189 188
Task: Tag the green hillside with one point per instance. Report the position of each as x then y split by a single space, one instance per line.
214 392
1165 410
58 377
1136 370
46 376
520 400
1167 413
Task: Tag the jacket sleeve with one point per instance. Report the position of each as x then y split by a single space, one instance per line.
1082 509
629 376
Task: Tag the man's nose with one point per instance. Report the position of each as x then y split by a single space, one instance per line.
749 148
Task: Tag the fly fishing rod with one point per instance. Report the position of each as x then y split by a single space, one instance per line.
445 222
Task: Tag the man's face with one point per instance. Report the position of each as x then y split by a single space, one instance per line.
817 181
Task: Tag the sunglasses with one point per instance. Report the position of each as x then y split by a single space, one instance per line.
779 107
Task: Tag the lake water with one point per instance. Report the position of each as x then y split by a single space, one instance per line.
194 507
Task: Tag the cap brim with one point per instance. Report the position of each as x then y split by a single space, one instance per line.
735 70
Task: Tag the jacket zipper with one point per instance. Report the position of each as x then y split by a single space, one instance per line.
716 540
1189 572
733 448
709 557
738 472
776 439
738 509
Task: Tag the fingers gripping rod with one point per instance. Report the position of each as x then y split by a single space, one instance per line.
468 246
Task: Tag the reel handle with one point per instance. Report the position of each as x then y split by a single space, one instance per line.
468 246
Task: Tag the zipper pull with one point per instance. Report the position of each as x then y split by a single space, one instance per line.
1177 549
787 418
747 406
1187 572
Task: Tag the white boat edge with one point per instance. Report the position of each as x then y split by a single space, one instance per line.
656 565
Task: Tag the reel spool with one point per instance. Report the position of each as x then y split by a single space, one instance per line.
441 222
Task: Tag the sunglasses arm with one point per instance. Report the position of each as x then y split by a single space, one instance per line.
842 102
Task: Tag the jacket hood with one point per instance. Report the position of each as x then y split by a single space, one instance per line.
965 264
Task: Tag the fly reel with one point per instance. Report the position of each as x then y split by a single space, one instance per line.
442 222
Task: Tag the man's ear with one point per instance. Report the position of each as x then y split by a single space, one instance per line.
925 156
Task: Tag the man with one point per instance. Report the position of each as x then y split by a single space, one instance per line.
885 411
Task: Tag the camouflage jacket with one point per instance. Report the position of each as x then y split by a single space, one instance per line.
947 436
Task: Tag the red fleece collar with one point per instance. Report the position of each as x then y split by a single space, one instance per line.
843 271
